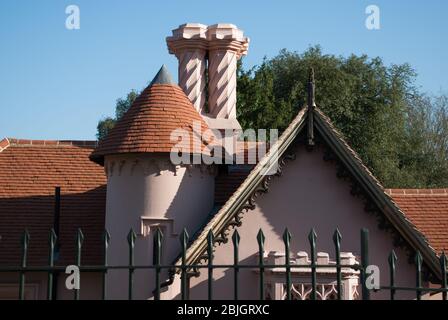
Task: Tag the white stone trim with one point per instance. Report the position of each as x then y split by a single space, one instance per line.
301 276
150 224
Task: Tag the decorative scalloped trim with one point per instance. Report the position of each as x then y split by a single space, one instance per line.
222 221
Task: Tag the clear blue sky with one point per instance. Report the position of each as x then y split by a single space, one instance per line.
56 83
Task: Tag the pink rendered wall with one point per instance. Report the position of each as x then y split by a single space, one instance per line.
307 195
152 188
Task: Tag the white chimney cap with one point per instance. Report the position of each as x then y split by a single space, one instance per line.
190 31
225 31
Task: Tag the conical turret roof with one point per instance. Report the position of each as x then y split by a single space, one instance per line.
149 123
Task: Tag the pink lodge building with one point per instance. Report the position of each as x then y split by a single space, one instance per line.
310 183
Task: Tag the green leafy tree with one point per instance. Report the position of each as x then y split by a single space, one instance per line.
122 105
425 151
369 102
399 132
103 127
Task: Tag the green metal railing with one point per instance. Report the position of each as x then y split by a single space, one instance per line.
51 269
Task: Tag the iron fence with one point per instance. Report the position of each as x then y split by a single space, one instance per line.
51 269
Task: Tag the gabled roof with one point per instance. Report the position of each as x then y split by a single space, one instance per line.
29 172
146 127
255 184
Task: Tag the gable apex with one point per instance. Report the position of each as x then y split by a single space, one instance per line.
255 185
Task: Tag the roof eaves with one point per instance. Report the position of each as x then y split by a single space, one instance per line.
48 143
417 192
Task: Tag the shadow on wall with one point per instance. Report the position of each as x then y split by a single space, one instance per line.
191 208
309 195
164 199
36 214
223 287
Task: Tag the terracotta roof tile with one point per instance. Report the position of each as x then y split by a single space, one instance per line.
146 127
29 172
427 209
228 181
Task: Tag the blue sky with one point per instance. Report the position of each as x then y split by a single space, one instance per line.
56 83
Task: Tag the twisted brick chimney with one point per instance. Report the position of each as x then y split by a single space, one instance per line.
218 48
226 44
189 44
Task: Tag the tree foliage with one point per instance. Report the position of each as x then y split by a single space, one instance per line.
399 133
103 127
122 105
425 159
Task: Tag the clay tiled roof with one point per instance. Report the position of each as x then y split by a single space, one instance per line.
228 181
29 172
146 127
428 211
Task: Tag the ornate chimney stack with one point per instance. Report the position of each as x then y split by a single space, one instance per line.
188 43
226 45
218 48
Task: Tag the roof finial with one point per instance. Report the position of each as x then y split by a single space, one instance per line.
310 105
163 76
